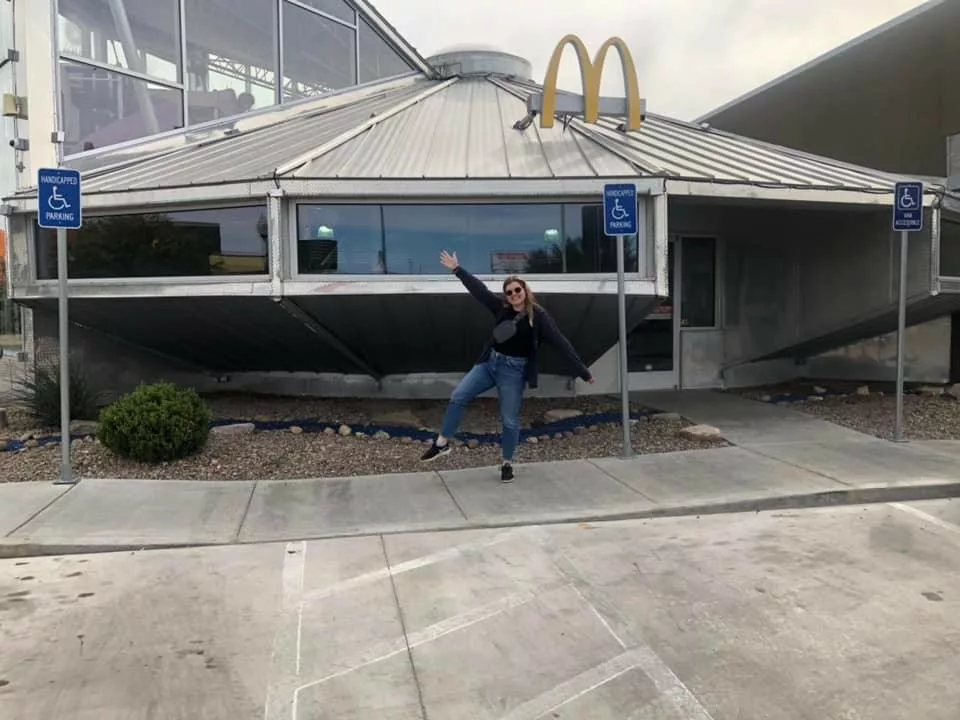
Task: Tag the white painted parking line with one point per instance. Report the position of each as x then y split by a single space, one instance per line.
415 564
574 688
927 517
386 650
285 658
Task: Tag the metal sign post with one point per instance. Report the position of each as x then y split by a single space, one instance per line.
907 218
620 220
58 198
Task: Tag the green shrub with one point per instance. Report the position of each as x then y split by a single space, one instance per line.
40 394
155 423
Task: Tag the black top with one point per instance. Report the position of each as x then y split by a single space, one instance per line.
519 344
544 328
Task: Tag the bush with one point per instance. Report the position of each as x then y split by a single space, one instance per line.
155 423
40 395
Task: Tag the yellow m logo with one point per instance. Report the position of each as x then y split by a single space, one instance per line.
590 75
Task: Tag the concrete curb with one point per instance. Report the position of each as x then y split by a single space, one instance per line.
869 495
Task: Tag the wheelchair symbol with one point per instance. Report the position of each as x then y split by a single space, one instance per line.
618 212
56 201
907 201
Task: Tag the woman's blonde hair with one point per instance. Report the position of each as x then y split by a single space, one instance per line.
529 299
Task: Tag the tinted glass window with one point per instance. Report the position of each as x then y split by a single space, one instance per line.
499 239
90 29
344 239
101 107
179 244
319 55
231 57
494 239
377 59
588 250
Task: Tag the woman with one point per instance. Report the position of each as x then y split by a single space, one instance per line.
508 362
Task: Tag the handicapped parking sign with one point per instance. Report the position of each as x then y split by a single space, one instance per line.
620 209
908 207
58 197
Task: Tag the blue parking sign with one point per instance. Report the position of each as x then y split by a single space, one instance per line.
58 195
908 207
620 209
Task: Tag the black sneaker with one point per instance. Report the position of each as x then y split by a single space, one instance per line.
506 473
435 451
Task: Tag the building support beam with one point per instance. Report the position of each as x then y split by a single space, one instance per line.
276 246
312 324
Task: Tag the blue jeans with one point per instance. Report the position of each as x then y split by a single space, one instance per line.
507 375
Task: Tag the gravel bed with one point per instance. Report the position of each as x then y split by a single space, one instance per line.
265 455
926 414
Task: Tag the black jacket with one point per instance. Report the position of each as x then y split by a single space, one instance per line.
544 328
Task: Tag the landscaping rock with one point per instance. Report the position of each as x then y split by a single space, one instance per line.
560 414
235 429
815 398
954 391
666 417
819 390
84 427
863 390
532 441
345 430
329 431
296 430
473 444
382 435
701 432
32 444
931 390
765 398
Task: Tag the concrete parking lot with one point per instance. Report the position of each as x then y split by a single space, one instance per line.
832 613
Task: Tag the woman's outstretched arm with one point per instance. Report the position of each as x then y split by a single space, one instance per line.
472 284
556 338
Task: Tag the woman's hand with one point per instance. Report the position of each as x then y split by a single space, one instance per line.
449 261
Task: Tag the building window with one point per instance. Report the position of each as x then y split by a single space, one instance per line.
587 248
231 57
230 241
377 59
949 248
698 282
334 8
319 55
142 37
128 73
102 107
498 239
344 239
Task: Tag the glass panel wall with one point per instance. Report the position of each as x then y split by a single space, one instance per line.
128 71
488 239
143 37
231 57
102 107
377 59
226 241
320 55
336 8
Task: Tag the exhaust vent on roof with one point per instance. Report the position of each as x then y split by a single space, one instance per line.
466 60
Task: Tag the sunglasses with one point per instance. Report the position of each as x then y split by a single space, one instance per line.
513 291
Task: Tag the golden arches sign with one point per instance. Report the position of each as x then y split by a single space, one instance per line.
590 74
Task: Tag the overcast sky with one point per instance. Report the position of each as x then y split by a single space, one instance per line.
691 55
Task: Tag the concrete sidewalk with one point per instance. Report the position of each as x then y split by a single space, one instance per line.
111 514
